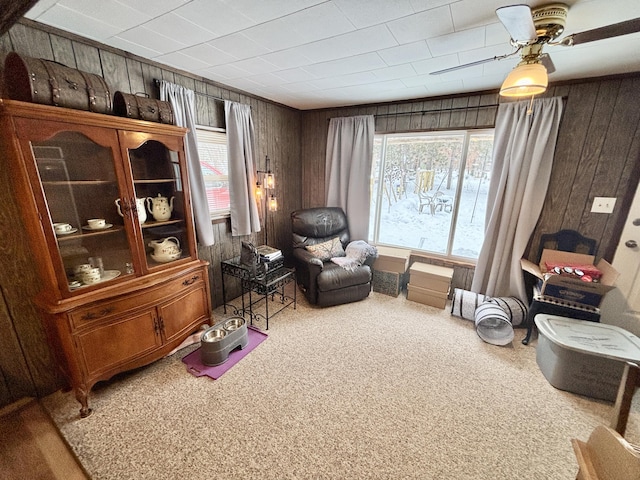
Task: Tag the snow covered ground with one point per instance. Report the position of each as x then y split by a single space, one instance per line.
402 225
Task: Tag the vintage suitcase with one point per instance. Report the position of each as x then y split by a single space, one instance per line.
142 107
42 81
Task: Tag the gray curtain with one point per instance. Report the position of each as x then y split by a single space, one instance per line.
348 170
184 108
523 151
245 218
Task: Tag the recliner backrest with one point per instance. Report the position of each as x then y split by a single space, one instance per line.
316 225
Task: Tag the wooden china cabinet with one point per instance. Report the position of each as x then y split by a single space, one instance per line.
68 166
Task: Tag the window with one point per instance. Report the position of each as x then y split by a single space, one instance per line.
212 149
429 191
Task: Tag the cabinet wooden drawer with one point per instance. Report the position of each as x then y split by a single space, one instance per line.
152 296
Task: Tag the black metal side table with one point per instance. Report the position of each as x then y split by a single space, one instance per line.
269 284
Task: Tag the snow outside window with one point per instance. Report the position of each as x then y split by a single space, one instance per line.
429 191
212 149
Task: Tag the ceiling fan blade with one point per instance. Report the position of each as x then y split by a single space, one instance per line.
545 60
609 31
519 23
473 64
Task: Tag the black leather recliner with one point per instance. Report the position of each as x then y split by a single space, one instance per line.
323 282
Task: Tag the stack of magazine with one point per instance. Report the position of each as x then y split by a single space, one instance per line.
268 254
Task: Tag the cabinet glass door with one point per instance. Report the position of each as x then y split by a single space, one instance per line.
80 184
160 193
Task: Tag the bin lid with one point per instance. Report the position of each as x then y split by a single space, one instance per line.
590 337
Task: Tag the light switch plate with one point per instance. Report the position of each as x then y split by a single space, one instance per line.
603 204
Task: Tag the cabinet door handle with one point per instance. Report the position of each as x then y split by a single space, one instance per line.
191 281
156 326
161 321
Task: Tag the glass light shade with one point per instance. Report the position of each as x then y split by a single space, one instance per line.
269 181
273 204
258 190
525 81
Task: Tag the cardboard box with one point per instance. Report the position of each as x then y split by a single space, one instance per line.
426 296
392 259
572 289
431 277
389 283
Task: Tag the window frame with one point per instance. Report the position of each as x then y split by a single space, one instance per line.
202 131
379 195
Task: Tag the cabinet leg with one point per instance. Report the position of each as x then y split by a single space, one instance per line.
82 395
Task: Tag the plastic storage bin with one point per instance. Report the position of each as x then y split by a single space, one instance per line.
584 357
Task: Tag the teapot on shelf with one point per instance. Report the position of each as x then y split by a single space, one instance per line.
166 248
140 208
160 207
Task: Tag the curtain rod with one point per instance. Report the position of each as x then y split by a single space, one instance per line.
436 111
157 82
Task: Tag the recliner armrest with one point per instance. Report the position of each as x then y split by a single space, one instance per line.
306 256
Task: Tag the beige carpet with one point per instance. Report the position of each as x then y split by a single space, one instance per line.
379 389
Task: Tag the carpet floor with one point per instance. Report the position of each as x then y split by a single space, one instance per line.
384 388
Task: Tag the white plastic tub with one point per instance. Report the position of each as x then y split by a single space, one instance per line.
584 357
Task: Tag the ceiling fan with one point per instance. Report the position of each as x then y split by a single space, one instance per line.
532 29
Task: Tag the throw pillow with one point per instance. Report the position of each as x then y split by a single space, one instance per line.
326 250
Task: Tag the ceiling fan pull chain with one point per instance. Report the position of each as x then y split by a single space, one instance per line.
530 109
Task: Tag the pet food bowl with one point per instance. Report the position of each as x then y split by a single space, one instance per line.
213 335
218 341
234 324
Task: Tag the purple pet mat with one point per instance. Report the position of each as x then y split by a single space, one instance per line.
195 366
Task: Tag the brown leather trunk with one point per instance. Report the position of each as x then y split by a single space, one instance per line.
142 107
42 81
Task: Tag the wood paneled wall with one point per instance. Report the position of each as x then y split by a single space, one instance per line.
26 364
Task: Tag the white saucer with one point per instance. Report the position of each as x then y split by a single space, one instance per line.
106 225
107 275
73 230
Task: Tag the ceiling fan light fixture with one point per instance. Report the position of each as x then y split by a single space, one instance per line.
525 80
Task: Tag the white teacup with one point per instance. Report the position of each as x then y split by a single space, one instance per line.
82 269
95 223
62 227
91 276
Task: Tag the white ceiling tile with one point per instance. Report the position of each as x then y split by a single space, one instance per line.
190 33
495 34
226 71
421 5
160 7
293 75
134 48
110 12
392 73
289 58
263 11
72 21
152 39
456 42
427 24
352 43
182 61
361 78
359 63
238 45
214 15
409 52
364 13
208 53
436 63
274 35
39 8
442 88
255 66
467 15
